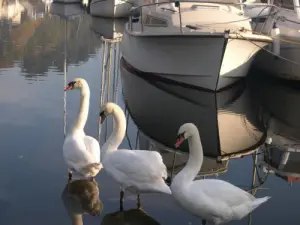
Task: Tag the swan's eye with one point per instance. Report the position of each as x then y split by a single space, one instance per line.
102 117
70 86
179 140
72 83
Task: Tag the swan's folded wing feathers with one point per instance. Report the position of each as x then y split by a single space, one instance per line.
75 153
223 191
138 165
93 147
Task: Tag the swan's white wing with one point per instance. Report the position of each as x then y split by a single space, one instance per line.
221 191
93 147
135 166
75 153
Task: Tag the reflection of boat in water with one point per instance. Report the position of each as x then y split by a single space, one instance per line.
175 162
82 196
66 11
108 28
227 120
282 162
11 10
128 217
67 1
112 8
280 106
279 101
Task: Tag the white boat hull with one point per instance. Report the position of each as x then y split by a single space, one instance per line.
210 62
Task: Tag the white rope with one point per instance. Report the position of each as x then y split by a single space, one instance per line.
101 100
65 80
109 59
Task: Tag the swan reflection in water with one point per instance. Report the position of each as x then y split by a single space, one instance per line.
128 217
80 197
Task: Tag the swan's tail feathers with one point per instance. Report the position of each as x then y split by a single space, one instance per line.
164 188
244 209
257 202
91 170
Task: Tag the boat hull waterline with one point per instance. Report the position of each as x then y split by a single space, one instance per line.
212 62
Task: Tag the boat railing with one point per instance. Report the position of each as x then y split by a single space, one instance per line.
136 15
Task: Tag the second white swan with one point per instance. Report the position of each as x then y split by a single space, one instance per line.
213 200
137 171
81 152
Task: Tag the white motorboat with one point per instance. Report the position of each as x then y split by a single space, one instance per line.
288 35
204 44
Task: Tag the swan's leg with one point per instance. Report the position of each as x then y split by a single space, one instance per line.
91 178
70 175
138 201
203 222
121 199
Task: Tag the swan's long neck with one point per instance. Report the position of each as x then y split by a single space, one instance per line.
118 134
195 160
84 108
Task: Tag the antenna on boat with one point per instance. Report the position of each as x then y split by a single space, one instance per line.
275 33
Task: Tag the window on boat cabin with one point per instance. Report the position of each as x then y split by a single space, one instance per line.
152 21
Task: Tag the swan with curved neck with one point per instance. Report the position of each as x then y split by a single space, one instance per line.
137 171
211 199
81 152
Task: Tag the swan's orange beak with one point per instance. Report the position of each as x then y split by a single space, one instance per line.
69 87
179 141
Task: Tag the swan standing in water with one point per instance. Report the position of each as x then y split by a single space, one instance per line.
214 200
137 171
81 152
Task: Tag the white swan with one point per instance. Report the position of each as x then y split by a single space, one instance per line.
81 152
214 200
137 171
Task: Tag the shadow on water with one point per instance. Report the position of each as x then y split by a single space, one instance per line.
129 217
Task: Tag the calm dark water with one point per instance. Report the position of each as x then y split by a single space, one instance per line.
32 170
